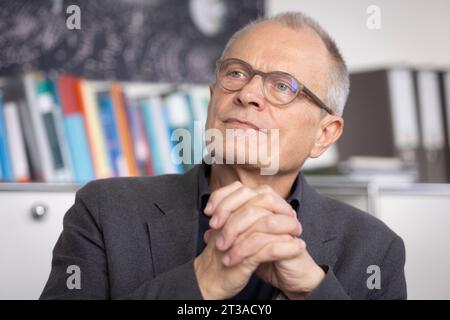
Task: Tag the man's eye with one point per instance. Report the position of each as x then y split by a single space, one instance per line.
236 74
282 86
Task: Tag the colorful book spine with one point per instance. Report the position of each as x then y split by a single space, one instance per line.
179 117
111 134
158 135
14 92
123 128
198 97
97 142
48 114
52 89
75 129
35 109
19 163
5 161
139 136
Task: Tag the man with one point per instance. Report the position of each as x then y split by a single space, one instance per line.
226 231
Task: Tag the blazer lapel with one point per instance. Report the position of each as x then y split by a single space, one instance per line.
173 222
318 233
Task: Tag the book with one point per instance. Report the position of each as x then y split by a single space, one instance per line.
13 91
140 141
6 170
51 117
75 129
111 134
97 144
16 143
444 81
52 88
198 97
158 136
123 129
432 155
180 125
39 109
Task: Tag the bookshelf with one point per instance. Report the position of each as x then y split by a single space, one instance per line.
72 130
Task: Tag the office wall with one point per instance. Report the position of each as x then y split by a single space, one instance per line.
412 31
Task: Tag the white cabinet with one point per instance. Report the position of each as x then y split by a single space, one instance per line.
30 223
422 219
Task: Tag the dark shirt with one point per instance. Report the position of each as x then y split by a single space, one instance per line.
256 288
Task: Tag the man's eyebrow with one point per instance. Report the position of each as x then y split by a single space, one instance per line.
284 69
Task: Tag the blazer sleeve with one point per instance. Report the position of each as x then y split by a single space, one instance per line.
81 244
329 289
179 283
393 283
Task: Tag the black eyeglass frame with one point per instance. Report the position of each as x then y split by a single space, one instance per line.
253 72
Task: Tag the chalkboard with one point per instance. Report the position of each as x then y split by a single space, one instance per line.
136 40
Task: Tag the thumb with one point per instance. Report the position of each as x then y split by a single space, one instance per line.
207 235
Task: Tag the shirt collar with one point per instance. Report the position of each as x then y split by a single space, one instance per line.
204 192
203 189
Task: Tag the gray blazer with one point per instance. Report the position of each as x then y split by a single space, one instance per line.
135 238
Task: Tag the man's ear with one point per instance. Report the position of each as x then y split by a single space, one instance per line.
212 86
330 129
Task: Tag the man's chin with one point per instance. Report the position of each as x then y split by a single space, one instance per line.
264 166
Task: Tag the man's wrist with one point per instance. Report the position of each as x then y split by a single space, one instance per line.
202 283
317 277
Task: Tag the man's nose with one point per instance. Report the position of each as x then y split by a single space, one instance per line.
251 94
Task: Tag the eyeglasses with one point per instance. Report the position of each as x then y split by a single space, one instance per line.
279 88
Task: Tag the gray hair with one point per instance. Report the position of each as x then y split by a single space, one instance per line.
338 82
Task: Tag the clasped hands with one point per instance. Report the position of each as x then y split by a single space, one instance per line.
253 230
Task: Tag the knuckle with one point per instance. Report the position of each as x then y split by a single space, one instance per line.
220 209
246 190
256 238
294 226
271 222
237 183
299 251
214 195
250 210
268 198
237 253
265 188
227 232
301 245
300 228
273 250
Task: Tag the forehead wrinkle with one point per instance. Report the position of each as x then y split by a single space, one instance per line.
265 55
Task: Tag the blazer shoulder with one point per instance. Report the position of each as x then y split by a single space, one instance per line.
123 196
137 186
354 223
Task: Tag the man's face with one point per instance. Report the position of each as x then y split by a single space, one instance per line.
267 47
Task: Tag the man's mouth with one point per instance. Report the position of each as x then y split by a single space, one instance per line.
241 124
